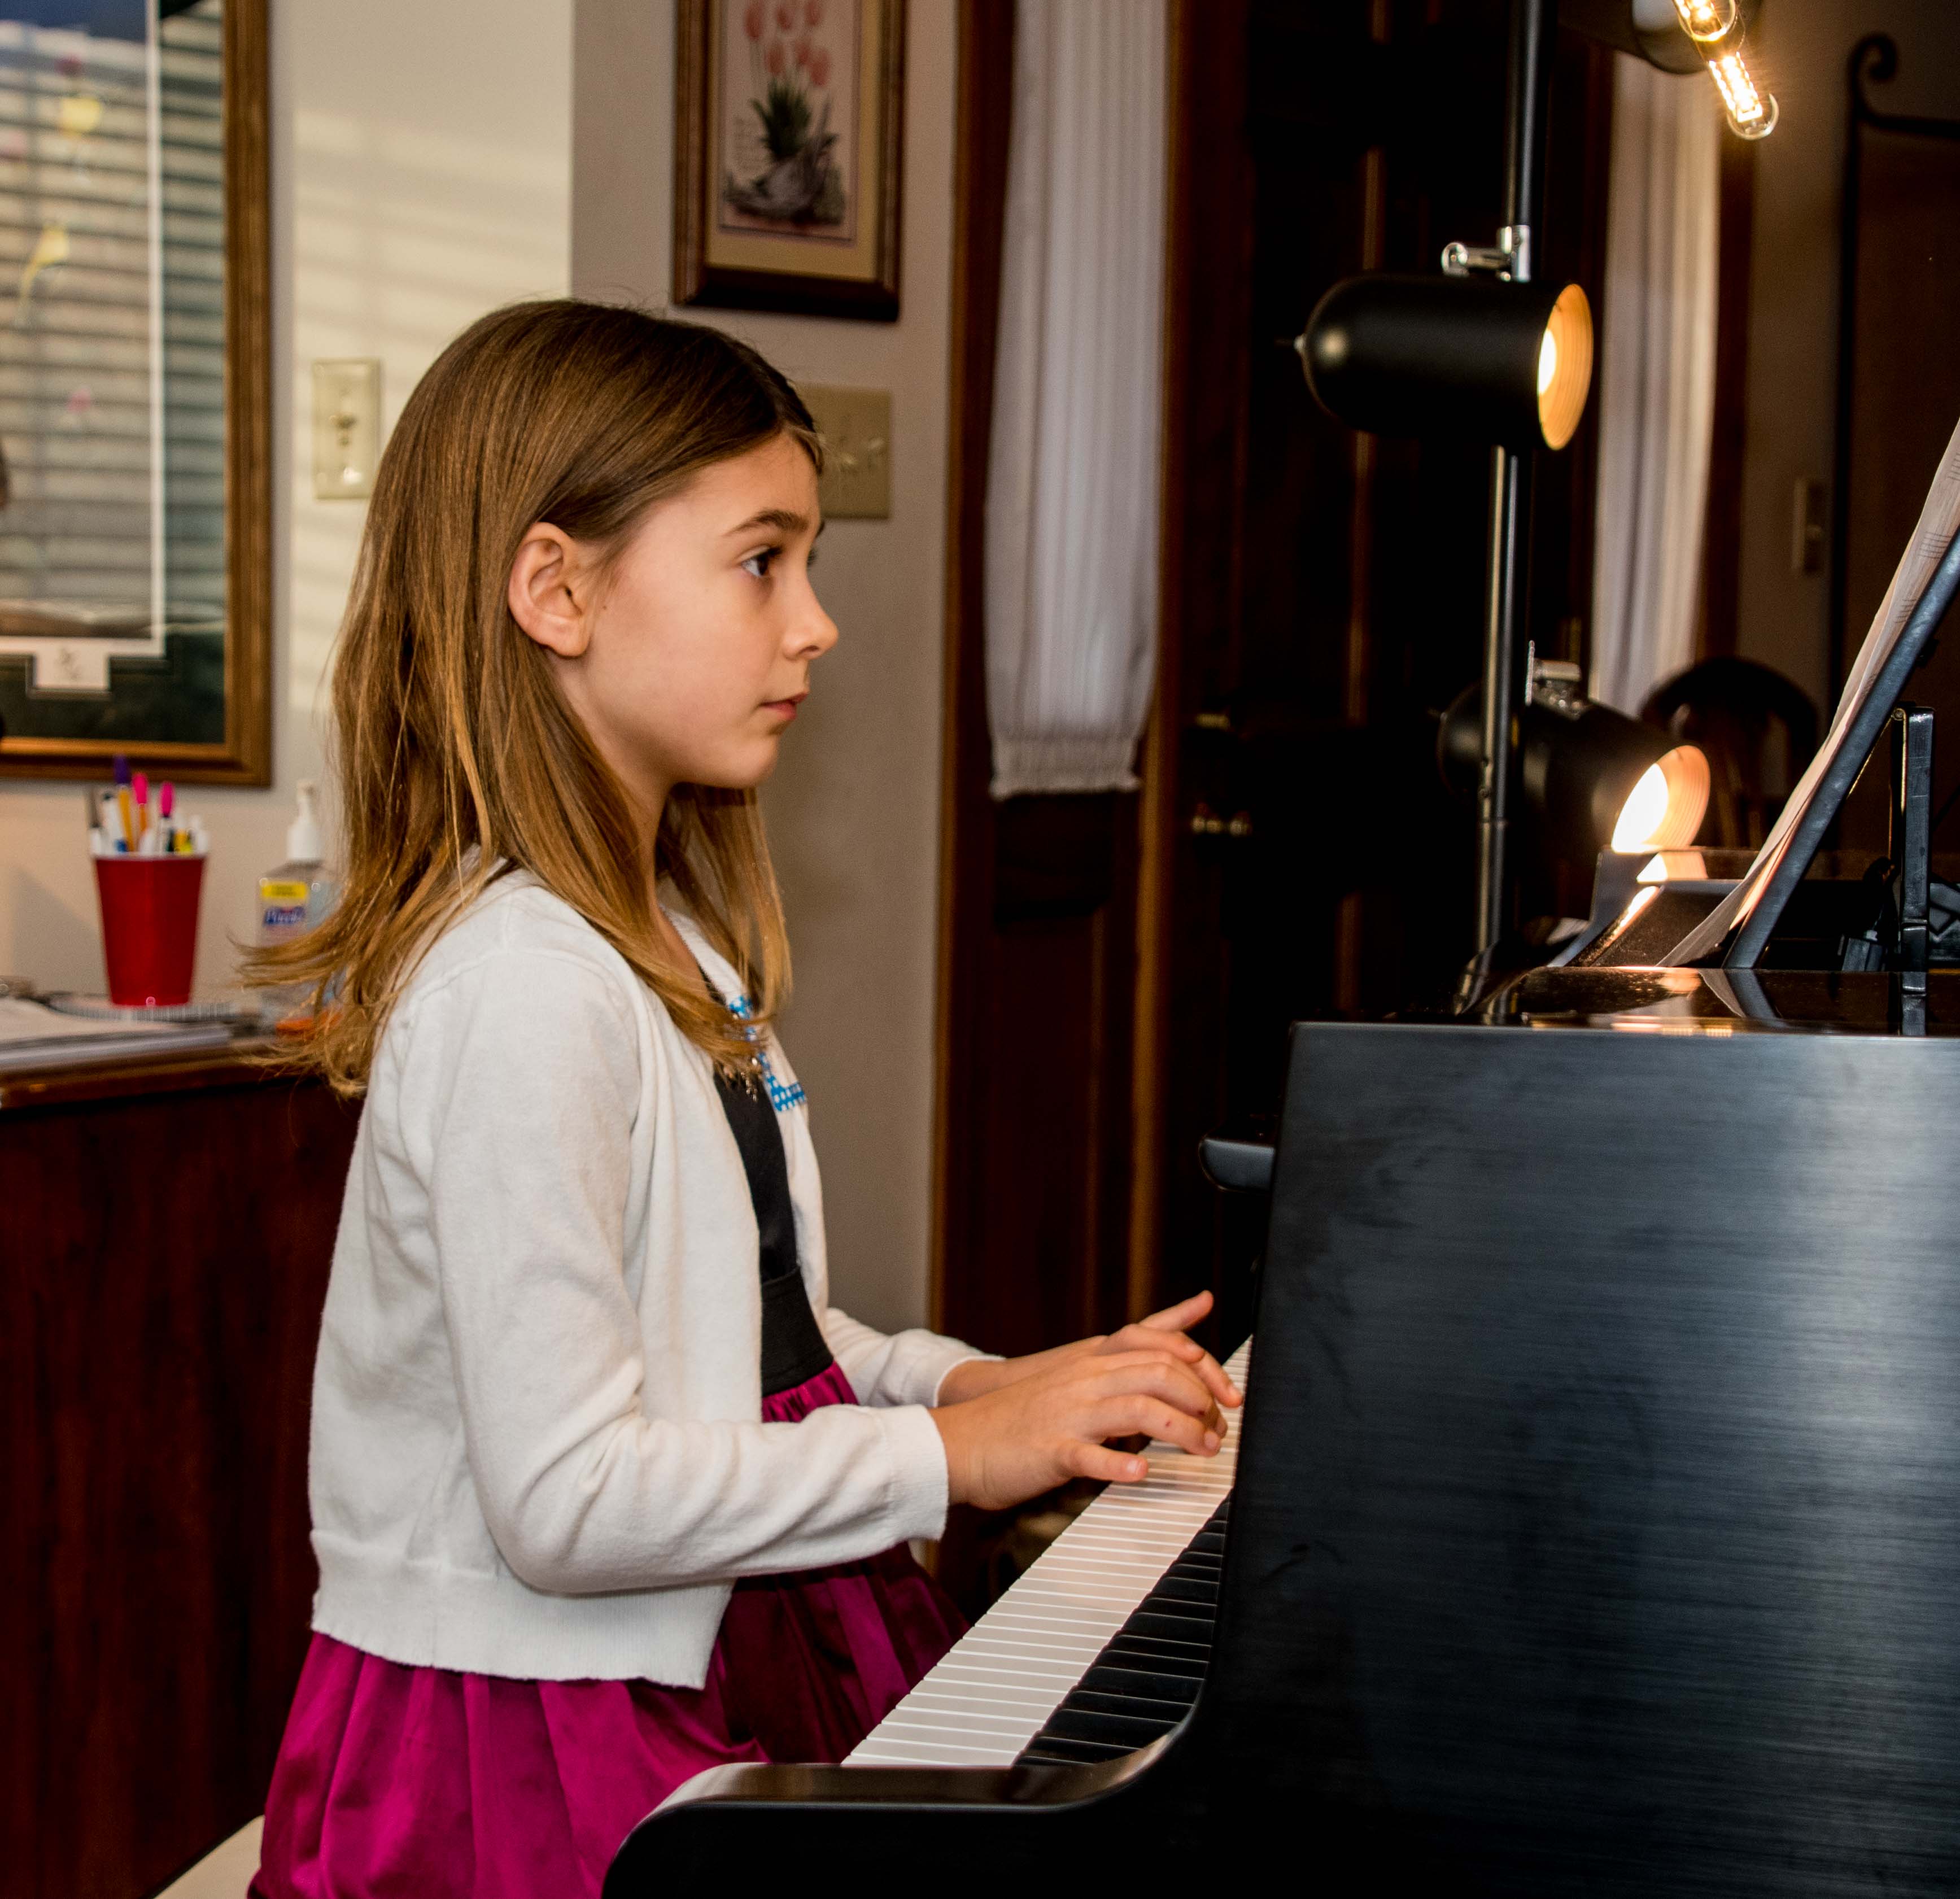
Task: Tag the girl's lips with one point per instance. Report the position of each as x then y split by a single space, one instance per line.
785 708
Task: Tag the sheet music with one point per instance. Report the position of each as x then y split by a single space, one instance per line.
1939 520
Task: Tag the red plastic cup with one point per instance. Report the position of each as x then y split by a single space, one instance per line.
149 926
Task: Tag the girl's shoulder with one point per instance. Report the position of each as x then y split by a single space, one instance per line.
516 921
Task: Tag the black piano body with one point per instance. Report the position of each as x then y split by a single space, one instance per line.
1597 1524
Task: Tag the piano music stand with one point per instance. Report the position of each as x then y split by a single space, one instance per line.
1826 800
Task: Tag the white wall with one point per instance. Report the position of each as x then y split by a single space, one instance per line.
421 175
853 810
1802 46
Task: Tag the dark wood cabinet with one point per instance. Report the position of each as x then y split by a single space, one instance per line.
165 1232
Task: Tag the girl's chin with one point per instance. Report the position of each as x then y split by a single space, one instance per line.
758 763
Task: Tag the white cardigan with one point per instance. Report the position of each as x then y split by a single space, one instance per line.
536 1445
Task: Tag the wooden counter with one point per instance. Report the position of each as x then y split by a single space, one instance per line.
165 1226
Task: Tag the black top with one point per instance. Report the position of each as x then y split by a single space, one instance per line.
793 1344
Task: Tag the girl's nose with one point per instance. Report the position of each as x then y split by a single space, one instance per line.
815 630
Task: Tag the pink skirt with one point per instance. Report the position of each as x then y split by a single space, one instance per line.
431 1784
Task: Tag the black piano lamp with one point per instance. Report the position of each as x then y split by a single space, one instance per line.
1591 778
1492 361
1485 352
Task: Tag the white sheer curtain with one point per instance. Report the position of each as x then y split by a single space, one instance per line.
1071 565
1657 380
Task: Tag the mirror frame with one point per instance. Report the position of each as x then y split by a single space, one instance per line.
244 756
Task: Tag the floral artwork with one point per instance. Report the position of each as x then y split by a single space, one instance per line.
789 137
790 112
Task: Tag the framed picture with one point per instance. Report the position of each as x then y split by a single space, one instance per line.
788 133
135 545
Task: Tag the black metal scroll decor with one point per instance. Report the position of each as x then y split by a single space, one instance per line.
1875 58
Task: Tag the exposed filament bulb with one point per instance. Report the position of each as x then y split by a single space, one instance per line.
1716 28
1752 112
1706 19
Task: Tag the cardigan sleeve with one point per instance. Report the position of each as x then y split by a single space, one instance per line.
523 1073
893 1368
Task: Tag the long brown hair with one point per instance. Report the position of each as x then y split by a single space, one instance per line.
458 758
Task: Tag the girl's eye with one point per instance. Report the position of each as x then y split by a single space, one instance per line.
759 563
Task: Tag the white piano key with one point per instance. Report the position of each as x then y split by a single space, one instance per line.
991 1692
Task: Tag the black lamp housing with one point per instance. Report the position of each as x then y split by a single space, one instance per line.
1484 359
1578 765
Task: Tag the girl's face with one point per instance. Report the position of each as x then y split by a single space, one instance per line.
687 663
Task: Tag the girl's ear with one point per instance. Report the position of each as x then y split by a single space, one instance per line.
550 591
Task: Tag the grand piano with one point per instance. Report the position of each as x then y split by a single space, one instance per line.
1593 1522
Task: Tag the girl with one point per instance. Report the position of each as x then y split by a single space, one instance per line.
604 1491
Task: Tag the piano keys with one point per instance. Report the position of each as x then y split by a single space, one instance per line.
1595 1523
1146 1678
989 1698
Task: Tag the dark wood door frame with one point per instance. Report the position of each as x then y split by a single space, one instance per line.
1043 950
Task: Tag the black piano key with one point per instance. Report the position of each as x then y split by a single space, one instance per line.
1188 1631
1165 1714
1127 1731
1182 1588
1063 1753
1146 1684
1148 1674
1168 1658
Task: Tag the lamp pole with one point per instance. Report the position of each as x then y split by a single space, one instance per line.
1507 603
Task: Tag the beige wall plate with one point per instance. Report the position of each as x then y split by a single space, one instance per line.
856 425
346 426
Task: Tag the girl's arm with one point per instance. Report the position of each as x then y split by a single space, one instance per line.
914 1367
521 1083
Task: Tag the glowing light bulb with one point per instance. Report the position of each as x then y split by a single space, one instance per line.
1665 809
1640 816
1564 367
1718 31
1706 19
1752 113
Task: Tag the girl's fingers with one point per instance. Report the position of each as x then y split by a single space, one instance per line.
1176 1318
1158 1420
1201 1362
1220 1387
1161 1378
1107 1466
1164 1330
1139 1338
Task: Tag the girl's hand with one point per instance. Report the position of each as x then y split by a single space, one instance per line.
1161 1332
1041 1429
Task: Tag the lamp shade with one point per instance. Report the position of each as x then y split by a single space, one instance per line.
1592 779
1498 362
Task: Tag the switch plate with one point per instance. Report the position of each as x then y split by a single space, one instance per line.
856 425
346 426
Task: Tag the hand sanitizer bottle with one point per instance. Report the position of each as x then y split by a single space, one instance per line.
298 893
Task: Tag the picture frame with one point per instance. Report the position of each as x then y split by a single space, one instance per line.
789 144
178 674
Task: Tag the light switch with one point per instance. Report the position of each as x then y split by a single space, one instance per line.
346 426
856 425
